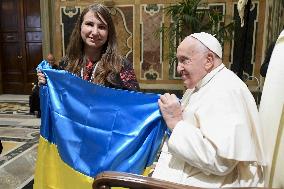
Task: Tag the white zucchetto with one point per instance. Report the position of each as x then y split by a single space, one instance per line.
209 41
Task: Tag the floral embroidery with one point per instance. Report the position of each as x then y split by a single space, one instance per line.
128 77
88 70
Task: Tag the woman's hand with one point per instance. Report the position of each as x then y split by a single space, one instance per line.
41 78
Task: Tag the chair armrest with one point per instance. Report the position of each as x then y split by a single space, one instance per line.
108 179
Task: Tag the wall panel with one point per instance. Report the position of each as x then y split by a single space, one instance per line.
136 21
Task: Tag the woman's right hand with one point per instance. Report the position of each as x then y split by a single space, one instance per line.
41 78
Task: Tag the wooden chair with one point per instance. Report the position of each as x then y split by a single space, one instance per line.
272 119
109 179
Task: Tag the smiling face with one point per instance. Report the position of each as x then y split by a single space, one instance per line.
94 31
193 61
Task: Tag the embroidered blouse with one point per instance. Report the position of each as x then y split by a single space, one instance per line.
125 79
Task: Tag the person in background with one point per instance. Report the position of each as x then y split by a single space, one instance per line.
1 147
216 138
34 100
264 65
92 52
51 60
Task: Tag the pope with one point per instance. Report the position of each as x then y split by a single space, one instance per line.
216 138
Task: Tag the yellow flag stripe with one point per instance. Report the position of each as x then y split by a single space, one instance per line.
52 173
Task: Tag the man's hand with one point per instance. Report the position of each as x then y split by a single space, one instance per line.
41 78
171 109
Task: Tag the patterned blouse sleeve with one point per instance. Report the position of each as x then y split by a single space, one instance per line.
128 78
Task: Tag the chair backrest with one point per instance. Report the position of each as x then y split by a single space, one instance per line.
272 116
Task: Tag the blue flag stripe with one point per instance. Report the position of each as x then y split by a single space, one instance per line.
96 128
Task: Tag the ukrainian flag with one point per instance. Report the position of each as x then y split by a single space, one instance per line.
87 129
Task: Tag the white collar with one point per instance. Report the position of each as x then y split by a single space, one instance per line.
208 77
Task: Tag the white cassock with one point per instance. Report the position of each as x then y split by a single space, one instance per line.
219 141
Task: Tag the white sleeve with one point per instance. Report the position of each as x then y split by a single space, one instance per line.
188 143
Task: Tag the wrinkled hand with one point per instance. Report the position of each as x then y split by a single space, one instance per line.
41 78
171 109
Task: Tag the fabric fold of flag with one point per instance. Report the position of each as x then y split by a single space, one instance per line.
88 128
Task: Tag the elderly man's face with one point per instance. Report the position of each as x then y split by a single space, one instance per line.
50 59
51 62
191 61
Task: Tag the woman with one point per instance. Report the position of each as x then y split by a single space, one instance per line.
92 52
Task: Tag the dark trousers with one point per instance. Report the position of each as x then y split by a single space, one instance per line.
34 101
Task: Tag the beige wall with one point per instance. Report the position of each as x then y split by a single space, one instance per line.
137 39
48 26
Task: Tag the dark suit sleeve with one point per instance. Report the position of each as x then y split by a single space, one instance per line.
263 69
62 64
264 66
